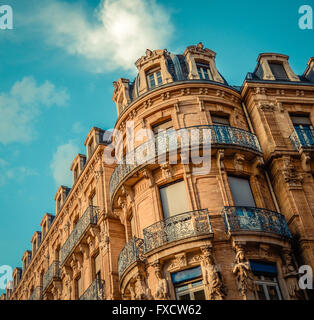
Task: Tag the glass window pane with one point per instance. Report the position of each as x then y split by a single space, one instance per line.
241 192
206 74
185 297
220 120
278 71
198 283
169 198
260 292
183 288
272 291
199 295
159 78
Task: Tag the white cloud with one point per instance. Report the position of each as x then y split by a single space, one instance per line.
119 34
20 108
8 173
61 162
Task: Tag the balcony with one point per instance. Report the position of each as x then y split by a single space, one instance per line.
302 138
179 227
90 217
132 252
219 136
239 219
53 273
36 294
96 291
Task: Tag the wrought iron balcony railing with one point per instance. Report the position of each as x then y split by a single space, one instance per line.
90 217
302 138
96 291
181 226
172 141
239 219
133 251
36 294
53 273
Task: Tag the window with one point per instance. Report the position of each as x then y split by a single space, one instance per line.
204 71
300 120
44 229
188 284
278 71
59 204
154 78
97 266
174 199
131 220
91 148
241 192
75 173
220 120
304 129
162 126
265 281
79 287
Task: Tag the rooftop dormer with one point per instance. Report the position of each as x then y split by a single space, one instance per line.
275 67
36 240
45 223
309 71
16 275
60 197
153 70
78 166
96 136
201 62
26 259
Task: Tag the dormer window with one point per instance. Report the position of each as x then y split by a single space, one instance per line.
204 71
91 147
154 78
278 70
75 173
59 204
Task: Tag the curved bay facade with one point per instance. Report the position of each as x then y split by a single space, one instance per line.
233 221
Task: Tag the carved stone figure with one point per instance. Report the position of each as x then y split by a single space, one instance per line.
162 291
141 292
243 272
217 290
291 276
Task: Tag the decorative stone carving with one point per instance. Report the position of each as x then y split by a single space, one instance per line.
141 291
166 170
264 251
220 160
267 107
147 174
290 175
178 262
291 275
211 277
238 161
306 161
243 272
162 291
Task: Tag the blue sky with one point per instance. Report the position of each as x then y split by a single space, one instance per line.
57 67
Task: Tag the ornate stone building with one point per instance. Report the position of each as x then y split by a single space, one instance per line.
168 230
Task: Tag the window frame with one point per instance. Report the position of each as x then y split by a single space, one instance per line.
203 69
190 289
156 77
